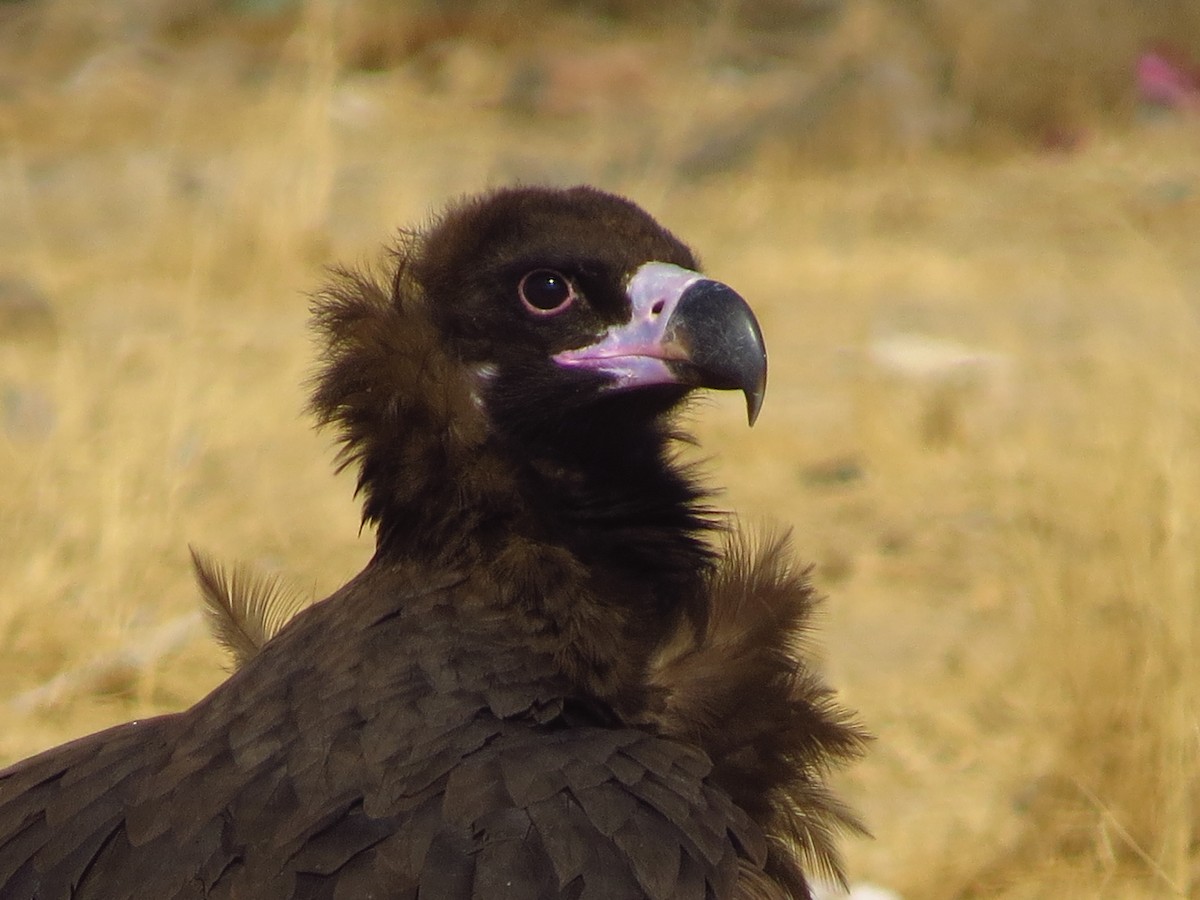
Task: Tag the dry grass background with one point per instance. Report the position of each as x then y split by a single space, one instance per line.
1012 550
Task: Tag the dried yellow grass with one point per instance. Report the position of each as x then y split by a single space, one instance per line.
1012 561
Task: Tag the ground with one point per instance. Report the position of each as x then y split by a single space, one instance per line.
982 420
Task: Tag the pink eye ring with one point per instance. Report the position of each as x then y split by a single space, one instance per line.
545 292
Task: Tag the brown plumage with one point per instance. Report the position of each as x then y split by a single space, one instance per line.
561 674
245 609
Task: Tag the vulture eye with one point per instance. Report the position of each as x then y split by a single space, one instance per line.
546 292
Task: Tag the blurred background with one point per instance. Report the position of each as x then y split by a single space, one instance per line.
971 231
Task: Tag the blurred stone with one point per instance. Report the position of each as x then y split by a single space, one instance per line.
27 412
563 84
922 357
961 390
784 15
835 565
131 73
1170 191
25 311
839 470
353 106
794 108
881 108
766 30
93 201
262 7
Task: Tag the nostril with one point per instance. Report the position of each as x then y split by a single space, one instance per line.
657 308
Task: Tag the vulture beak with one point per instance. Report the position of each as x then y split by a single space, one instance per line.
683 329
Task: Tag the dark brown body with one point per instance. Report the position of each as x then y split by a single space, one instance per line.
555 678
387 758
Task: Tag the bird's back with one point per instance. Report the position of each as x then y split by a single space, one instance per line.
419 753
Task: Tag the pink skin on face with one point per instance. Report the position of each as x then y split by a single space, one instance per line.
636 352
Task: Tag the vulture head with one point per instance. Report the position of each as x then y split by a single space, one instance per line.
505 394
557 301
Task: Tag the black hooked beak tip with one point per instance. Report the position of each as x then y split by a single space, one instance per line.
721 341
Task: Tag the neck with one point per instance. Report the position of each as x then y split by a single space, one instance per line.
579 524
556 525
